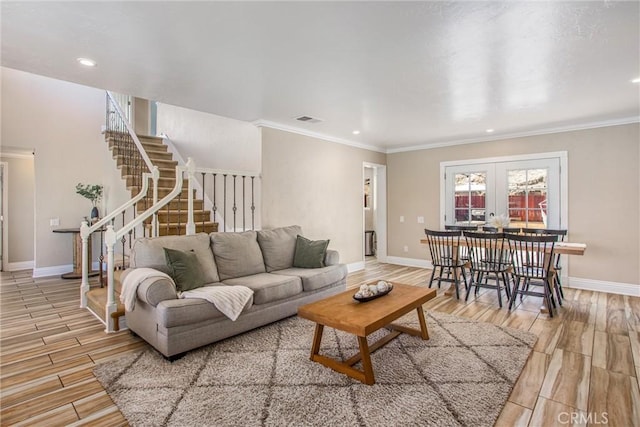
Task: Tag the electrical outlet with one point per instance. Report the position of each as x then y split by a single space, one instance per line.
406 248
54 222
420 220
401 218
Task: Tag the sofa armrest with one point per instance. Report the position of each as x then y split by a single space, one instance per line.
154 290
331 257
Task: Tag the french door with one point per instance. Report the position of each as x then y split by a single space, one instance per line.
527 191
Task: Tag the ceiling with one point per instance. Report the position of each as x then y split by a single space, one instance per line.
405 74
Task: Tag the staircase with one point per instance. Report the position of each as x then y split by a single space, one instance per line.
146 163
172 219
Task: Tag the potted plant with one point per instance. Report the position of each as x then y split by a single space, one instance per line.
93 192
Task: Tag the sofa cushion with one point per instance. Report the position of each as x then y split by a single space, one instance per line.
237 254
184 269
309 253
149 252
278 246
268 287
179 312
317 278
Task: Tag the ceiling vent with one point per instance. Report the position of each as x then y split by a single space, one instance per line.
308 119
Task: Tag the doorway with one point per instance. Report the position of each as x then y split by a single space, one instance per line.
3 206
529 190
374 204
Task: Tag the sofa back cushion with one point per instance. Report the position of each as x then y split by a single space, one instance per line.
237 254
278 246
149 252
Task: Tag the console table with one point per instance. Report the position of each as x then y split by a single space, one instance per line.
77 254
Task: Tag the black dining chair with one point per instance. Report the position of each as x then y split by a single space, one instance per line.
532 265
490 260
443 246
462 251
557 265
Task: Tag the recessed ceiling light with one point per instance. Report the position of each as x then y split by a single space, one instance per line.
489 130
636 80
87 62
356 132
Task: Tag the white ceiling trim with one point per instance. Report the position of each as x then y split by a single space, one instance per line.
17 153
585 126
305 132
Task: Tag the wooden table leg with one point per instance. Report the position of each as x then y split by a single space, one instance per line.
423 324
317 338
366 361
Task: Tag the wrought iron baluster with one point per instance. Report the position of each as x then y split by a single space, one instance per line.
235 208
215 205
203 206
179 221
224 200
253 205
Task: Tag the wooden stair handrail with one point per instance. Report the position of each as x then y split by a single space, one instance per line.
86 231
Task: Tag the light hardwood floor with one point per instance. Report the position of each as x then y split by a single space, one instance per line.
585 364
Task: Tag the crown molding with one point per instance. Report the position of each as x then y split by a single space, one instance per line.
11 153
560 129
546 131
305 132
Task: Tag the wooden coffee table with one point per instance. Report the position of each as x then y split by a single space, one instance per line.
344 313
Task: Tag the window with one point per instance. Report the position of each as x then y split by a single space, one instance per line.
525 188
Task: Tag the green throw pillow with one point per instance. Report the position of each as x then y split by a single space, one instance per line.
184 269
309 253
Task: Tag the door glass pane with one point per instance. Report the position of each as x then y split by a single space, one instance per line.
528 197
470 197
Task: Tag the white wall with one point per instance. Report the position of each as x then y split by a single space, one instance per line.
604 196
318 185
212 141
61 122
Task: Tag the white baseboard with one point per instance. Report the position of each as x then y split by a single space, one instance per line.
570 282
409 262
17 266
355 266
54 270
602 286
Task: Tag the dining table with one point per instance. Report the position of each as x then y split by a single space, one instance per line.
561 248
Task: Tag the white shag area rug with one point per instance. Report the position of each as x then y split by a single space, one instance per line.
461 376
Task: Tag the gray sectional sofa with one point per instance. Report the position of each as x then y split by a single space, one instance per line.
262 261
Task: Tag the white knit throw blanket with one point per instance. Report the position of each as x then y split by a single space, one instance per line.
230 300
133 279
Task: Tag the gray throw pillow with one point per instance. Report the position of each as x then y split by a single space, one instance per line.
278 246
309 253
184 269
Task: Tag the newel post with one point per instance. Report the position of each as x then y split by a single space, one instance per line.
111 307
84 285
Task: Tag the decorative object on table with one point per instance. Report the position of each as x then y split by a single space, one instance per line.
373 291
499 221
93 192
